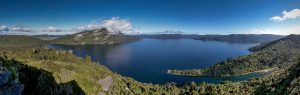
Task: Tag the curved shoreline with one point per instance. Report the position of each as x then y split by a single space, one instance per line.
207 75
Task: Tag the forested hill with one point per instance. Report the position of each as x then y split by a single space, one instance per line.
240 38
292 41
20 40
98 36
277 54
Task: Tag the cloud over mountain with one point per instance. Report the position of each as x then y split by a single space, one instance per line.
293 14
4 28
280 31
51 29
169 32
114 25
21 28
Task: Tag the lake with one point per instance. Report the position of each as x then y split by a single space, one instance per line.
149 59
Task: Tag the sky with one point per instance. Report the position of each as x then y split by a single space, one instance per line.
150 16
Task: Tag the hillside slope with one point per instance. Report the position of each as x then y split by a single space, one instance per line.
63 66
98 36
282 82
20 40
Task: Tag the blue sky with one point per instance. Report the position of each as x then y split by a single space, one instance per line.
190 16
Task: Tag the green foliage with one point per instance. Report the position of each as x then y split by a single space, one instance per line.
20 40
88 59
64 66
282 82
38 81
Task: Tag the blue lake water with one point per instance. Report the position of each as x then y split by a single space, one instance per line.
149 59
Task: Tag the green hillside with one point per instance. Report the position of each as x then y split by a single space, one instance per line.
20 40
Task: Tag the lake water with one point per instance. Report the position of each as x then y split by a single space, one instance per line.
149 59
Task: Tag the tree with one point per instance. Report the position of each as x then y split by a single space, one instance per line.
88 59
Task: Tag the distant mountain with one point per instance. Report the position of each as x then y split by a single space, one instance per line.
240 38
235 38
165 36
169 32
98 36
20 40
49 37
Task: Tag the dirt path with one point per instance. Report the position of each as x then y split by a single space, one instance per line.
106 82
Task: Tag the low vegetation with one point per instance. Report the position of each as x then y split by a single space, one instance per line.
64 66
38 70
20 40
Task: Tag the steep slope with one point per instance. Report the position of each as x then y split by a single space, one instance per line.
98 36
20 40
240 38
278 54
23 79
284 82
56 69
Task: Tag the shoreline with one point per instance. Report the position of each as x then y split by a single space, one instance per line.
206 75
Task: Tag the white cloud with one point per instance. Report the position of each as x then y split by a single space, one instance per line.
290 30
52 29
79 29
293 14
4 28
267 31
282 31
169 32
113 25
261 31
21 28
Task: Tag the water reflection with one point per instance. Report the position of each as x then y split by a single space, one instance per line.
118 56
